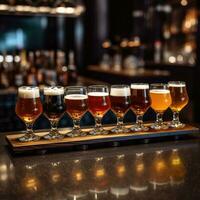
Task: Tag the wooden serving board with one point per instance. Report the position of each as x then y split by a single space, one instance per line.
68 142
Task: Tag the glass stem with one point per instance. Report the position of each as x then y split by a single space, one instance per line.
98 124
176 117
119 121
76 123
139 120
54 125
159 118
29 128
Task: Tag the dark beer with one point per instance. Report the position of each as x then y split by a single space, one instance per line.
76 105
29 106
120 100
54 106
140 99
99 103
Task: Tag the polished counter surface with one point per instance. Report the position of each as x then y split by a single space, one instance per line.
164 170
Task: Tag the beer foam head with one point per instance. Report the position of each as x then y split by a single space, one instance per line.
53 91
176 84
28 92
120 92
160 91
76 96
98 94
140 86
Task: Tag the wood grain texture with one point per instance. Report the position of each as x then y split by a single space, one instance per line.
87 140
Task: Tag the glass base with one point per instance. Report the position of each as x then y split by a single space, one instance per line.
29 138
119 129
53 135
173 124
76 133
99 131
137 128
157 126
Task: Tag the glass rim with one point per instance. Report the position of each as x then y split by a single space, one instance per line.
139 83
183 83
76 87
159 84
120 86
57 86
98 86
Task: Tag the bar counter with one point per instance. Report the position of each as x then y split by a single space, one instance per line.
164 170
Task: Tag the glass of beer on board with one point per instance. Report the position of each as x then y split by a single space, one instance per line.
179 101
140 102
54 108
28 109
76 101
160 102
120 103
99 104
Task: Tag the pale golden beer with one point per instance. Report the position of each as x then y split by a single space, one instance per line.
160 99
179 101
179 96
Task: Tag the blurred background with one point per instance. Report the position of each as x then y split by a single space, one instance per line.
83 42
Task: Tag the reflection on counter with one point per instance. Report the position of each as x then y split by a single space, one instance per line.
118 176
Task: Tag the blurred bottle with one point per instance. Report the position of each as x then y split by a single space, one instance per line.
50 72
19 75
38 62
31 72
4 83
157 51
62 69
72 70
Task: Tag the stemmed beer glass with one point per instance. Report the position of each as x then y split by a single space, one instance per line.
76 100
99 104
54 108
179 101
160 101
140 102
120 103
28 108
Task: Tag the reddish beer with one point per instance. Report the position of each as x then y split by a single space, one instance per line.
140 99
29 106
99 103
76 105
120 100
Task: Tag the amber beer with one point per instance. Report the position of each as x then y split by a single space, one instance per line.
120 100
29 106
99 103
54 106
179 96
160 99
140 99
76 105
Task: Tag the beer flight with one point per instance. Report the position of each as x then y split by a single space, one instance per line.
98 99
